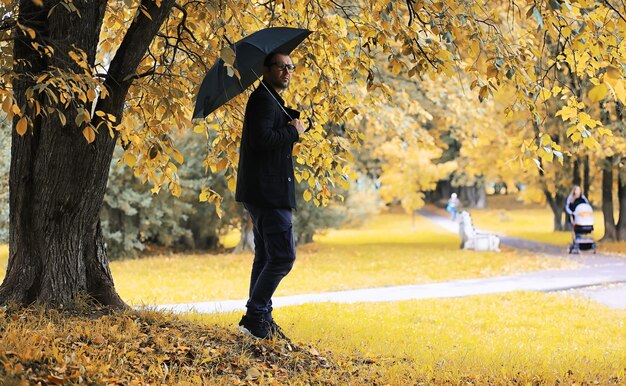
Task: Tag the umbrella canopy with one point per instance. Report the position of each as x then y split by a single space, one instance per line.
218 87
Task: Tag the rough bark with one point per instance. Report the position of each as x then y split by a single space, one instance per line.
58 180
610 230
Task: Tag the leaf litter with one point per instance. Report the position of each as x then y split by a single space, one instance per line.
49 347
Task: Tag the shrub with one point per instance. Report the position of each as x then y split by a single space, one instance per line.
133 217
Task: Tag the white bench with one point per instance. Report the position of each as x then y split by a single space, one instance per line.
477 241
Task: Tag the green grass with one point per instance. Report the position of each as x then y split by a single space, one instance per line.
515 338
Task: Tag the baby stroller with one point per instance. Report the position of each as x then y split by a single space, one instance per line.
582 223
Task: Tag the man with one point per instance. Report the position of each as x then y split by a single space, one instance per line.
265 186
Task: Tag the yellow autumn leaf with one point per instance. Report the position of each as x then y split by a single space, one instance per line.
176 190
89 134
178 156
204 196
130 159
74 56
16 109
232 184
483 93
612 73
619 90
545 94
91 94
31 32
22 126
221 165
7 104
145 12
598 93
307 195
590 143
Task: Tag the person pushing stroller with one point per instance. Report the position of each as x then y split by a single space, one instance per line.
580 215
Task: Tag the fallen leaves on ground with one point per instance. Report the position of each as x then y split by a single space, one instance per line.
137 348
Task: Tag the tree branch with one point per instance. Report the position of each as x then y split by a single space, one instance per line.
614 10
424 53
135 44
412 13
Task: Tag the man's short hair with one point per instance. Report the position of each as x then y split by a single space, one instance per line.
269 59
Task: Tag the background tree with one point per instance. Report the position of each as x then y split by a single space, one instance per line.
612 169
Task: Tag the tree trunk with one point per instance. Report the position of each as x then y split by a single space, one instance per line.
557 205
474 195
586 176
246 241
304 238
576 172
558 220
481 201
621 196
442 191
57 179
610 231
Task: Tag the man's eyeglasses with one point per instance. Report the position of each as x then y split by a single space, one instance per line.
283 67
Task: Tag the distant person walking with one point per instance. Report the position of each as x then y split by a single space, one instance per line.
265 186
453 206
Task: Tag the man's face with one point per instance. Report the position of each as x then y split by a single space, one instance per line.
278 74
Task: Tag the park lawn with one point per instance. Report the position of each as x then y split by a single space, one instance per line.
513 338
391 249
388 250
518 338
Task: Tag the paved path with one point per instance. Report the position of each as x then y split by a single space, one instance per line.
601 277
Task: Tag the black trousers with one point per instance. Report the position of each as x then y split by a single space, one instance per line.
274 255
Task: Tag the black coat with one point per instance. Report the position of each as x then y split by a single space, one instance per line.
265 174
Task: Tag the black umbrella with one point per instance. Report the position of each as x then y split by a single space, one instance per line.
218 87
